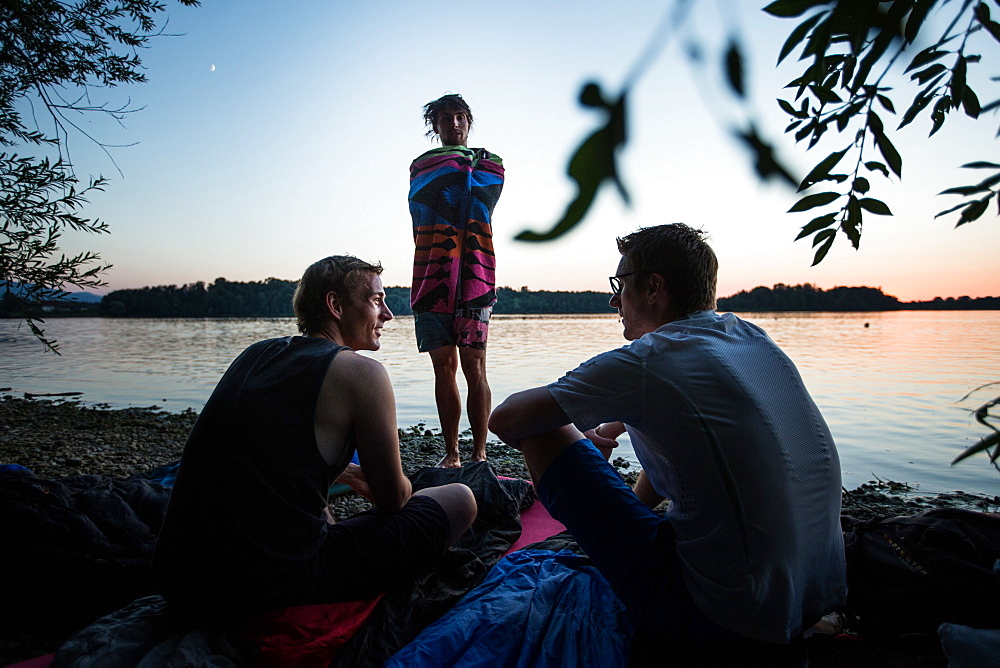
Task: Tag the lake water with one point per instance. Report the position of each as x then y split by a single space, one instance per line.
889 384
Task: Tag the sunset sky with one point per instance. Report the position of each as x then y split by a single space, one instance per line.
275 134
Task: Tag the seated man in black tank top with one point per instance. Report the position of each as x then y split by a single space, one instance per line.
247 529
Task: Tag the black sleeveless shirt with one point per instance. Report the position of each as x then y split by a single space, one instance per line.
245 519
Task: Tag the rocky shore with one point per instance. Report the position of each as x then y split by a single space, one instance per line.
59 438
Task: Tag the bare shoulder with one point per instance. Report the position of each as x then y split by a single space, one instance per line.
349 369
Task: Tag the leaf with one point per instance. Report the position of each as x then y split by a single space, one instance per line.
824 94
789 109
982 12
973 211
947 211
812 201
885 146
924 75
817 224
919 102
981 164
824 235
852 225
957 83
993 28
984 443
970 103
789 8
817 133
824 249
734 68
887 103
928 55
822 169
941 108
916 19
593 163
797 36
875 206
765 162
965 191
860 185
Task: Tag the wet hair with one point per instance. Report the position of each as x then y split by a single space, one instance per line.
682 256
344 274
444 103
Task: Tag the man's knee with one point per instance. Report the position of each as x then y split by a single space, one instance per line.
473 364
539 451
458 503
445 361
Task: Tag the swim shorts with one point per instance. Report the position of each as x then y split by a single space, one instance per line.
467 329
376 551
632 546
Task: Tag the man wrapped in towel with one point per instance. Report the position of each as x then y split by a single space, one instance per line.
453 190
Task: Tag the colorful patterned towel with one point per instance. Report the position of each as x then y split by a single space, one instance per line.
453 190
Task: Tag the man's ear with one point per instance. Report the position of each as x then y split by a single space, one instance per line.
334 305
658 296
655 288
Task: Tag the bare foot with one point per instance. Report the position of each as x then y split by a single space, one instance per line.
479 455
450 461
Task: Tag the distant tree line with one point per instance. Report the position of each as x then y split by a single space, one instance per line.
272 297
807 297
267 298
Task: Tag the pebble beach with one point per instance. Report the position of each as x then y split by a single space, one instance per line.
57 438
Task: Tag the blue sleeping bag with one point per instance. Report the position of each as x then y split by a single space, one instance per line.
536 608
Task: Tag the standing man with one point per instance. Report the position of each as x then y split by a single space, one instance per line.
453 190
749 552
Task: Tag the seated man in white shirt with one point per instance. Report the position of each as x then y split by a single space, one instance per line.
749 551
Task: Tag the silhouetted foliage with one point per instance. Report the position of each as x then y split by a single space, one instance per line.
849 48
54 55
990 444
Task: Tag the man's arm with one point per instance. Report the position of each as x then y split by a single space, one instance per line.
361 404
525 414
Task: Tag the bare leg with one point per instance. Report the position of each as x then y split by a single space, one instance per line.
480 398
449 403
459 504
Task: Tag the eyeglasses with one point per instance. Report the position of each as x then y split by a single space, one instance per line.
616 282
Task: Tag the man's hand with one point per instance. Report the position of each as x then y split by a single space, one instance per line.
354 478
603 437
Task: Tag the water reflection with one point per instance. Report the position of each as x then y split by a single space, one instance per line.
888 389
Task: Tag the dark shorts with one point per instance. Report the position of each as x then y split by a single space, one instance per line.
467 329
376 551
635 551
632 547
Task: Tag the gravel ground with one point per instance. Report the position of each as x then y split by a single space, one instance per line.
62 438
59 438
